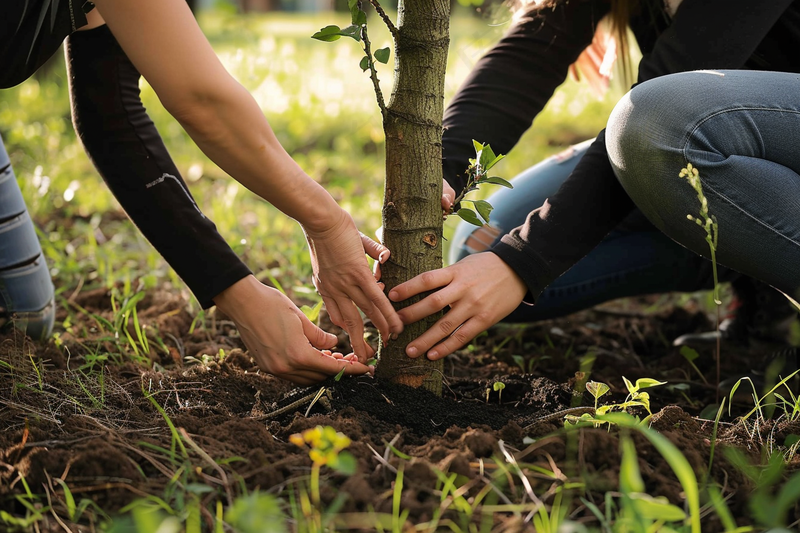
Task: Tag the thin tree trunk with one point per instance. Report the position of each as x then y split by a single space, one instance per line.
412 213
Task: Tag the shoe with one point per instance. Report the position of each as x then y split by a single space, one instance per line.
757 313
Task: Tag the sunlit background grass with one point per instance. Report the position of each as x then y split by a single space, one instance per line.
323 110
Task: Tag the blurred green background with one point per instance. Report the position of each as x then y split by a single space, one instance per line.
319 103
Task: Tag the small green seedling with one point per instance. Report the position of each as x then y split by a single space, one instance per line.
635 398
498 388
639 398
597 389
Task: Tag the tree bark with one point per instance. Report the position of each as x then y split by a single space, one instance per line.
412 213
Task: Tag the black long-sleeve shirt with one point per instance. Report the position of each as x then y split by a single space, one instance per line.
512 83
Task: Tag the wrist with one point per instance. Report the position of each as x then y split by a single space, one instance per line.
232 298
516 286
324 218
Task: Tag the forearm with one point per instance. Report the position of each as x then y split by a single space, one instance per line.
511 84
234 133
220 115
570 224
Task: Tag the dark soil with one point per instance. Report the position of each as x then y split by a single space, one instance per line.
97 430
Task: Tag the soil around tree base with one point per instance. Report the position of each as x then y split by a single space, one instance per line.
103 438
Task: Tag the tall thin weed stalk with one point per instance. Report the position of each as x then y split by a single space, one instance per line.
708 223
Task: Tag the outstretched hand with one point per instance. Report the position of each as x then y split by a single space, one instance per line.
280 338
481 290
343 279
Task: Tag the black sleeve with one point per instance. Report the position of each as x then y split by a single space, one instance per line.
31 32
511 84
704 34
129 154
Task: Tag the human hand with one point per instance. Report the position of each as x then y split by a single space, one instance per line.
448 196
343 279
280 338
481 290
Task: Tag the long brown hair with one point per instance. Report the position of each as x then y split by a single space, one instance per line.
611 36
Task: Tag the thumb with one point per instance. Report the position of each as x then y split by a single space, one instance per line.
318 337
375 249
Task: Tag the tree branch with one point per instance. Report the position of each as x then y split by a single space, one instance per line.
385 17
373 74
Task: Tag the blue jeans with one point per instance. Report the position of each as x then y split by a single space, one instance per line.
634 259
741 130
26 291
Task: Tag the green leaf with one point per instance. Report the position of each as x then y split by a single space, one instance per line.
486 157
334 33
643 383
498 386
357 16
345 464
484 209
659 508
478 147
676 460
397 452
328 34
354 32
498 181
382 55
257 512
690 354
364 64
494 161
630 479
596 388
69 500
340 374
470 216
628 385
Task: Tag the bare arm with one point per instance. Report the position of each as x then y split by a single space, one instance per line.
164 42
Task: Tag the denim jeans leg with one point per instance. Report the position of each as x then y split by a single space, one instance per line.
26 291
740 129
632 260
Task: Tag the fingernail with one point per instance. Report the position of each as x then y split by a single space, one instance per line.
383 257
432 355
411 351
393 295
394 336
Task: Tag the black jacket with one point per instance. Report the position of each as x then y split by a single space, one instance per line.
512 83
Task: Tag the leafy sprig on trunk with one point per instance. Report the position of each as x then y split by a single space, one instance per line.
478 174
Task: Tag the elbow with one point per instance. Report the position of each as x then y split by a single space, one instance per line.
201 111
195 112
